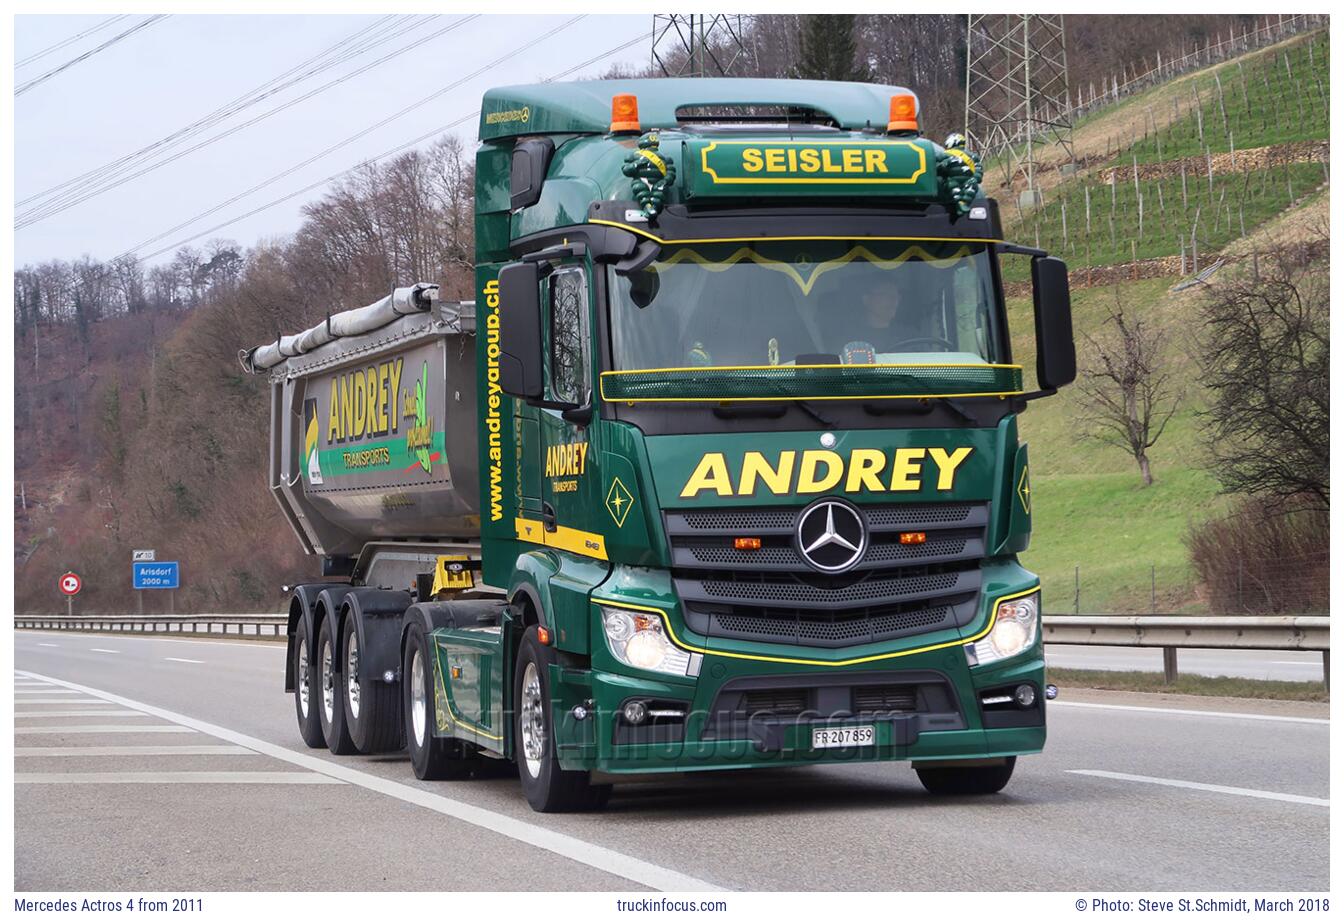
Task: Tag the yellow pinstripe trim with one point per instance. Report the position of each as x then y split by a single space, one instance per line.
814 236
757 180
667 624
448 705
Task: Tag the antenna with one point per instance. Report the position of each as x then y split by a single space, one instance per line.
1017 94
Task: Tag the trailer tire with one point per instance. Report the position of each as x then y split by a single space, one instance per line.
967 780
330 709
547 787
432 758
372 705
306 685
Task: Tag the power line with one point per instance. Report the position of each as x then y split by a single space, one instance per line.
144 24
360 165
68 41
365 131
71 199
229 108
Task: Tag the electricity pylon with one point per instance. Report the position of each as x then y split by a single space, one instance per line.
701 45
1017 92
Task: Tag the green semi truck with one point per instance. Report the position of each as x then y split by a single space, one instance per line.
720 469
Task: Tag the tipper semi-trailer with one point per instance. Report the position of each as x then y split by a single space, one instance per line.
720 469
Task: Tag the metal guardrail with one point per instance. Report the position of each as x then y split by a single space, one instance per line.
1169 633
255 624
1284 633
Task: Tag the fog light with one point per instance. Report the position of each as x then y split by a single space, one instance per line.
1025 695
635 712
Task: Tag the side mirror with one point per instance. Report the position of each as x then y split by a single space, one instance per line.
1056 361
520 365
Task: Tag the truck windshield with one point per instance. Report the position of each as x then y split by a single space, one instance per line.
809 302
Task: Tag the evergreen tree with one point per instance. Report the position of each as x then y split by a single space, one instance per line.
827 50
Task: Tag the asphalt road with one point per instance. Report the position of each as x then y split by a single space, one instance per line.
1259 665
174 764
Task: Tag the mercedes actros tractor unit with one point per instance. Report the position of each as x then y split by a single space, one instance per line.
720 470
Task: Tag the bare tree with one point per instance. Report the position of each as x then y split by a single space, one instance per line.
1266 360
1126 387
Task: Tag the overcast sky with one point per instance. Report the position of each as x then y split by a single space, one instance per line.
175 71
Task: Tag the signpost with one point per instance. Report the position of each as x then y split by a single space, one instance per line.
70 584
154 576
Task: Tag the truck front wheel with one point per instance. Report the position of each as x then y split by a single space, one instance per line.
967 780
431 757
547 787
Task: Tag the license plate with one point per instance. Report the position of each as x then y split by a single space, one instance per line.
851 736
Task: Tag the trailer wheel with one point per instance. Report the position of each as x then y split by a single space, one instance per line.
306 701
547 787
967 780
331 711
371 705
432 758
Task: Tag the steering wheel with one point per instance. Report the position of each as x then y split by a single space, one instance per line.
926 339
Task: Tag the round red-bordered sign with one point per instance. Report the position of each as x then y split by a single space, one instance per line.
70 584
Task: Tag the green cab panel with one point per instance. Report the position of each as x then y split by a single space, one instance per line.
470 701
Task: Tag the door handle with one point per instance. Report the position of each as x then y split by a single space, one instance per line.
548 517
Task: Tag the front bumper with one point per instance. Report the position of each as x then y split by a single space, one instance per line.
950 722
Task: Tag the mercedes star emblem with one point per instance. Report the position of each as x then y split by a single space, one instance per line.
832 535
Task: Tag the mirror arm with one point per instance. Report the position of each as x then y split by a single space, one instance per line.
1019 250
1038 394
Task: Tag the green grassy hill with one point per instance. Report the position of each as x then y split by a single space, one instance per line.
1092 510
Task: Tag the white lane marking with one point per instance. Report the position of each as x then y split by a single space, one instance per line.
1193 712
580 851
100 729
106 651
1206 787
71 713
73 701
173 776
134 751
267 642
49 644
186 660
47 692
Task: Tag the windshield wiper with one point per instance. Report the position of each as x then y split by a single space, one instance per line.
800 403
923 406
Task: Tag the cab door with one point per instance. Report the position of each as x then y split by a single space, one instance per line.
570 479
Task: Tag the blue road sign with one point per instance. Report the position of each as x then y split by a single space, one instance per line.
146 575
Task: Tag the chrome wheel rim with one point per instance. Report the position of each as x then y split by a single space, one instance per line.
532 721
304 679
328 683
419 708
352 675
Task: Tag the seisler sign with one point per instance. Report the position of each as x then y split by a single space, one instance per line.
808 167
805 472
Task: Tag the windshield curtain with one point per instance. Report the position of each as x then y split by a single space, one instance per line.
782 303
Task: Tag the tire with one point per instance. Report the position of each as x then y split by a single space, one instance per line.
372 706
967 780
306 690
330 710
432 758
547 787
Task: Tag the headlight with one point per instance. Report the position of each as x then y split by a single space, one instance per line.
638 640
1014 631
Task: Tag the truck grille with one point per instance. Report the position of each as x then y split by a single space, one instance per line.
772 595
786 702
